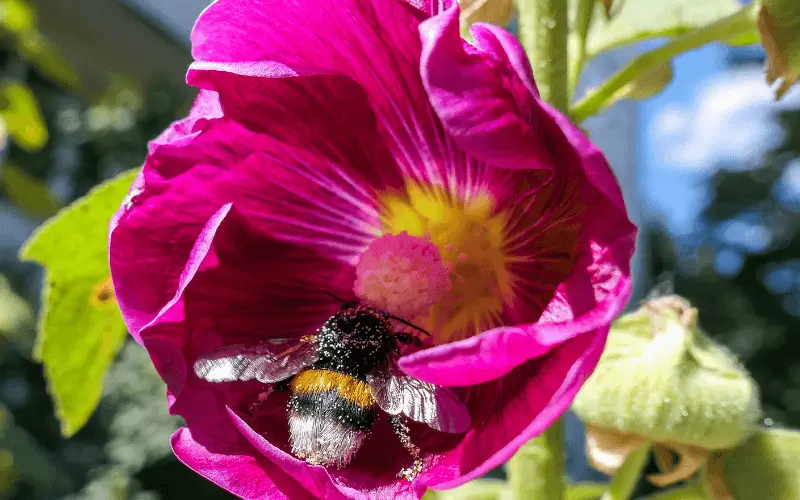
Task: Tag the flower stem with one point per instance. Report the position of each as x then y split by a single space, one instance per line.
577 42
536 471
543 32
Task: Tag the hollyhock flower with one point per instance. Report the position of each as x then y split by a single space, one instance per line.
363 148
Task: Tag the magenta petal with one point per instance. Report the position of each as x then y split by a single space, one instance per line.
213 447
142 238
166 349
310 114
321 165
373 43
516 408
235 288
314 477
327 115
492 354
485 108
598 173
325 484
206 106
236 471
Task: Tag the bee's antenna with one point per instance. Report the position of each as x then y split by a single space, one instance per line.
401 320
412 325
331 294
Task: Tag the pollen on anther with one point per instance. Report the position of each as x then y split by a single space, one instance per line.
402 274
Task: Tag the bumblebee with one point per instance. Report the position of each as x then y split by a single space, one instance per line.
340 379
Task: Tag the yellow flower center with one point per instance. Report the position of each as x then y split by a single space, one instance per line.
470 235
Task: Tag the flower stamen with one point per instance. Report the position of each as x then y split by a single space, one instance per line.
470 235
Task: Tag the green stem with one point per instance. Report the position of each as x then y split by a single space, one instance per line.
543 32
577 42
625 479
734 25
536 471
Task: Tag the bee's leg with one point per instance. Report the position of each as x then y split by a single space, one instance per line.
259 401
407 338
402 431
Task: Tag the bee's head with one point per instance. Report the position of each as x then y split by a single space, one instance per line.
358 338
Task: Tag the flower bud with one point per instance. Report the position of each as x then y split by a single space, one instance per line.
662 379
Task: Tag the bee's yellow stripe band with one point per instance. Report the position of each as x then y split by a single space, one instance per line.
349 388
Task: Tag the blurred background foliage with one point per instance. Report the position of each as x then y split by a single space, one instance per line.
57 142
740 266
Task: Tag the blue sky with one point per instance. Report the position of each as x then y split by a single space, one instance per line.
675 193
710 113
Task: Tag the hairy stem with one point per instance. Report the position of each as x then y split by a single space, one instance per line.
577 42
537 469
543 32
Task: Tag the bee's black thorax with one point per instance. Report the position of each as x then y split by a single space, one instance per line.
356 341
332 407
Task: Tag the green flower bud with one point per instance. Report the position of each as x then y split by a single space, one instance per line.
660 378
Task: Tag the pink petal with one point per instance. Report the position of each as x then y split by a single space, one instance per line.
333 484
575 272
514 409
206 106
236 470
296 181
236 287
494 353
213 447
327 115
484 106
373 43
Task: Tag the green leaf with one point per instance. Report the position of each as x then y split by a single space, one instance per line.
497 12
765 467
586 491
22 115
27 192
647 84
737 26
8 473
80 329
779 27
37 49
626 478
16 15
638 20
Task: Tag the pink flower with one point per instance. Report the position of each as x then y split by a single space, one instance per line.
322 129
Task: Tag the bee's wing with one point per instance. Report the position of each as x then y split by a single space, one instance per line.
267 362
397 393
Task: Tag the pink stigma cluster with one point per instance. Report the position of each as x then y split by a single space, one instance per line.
402 274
